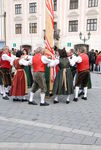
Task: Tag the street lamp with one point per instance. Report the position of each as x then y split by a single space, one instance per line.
84 39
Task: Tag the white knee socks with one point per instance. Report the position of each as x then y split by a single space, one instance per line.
42 97
68 98
31 97
1 89
85 91
56 98
76 91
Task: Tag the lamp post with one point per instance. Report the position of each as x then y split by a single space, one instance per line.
84 39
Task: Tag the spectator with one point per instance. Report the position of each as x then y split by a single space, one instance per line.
92 58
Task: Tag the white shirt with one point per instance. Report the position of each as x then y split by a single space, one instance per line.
24 62
8 58
54 63
74 59
45 60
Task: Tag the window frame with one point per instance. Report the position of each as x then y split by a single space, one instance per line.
92 24
55 5
33 28
18 30
73 4
33 7
73 26
92 3
18 9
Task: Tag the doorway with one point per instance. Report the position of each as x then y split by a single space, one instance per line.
78 46
27 47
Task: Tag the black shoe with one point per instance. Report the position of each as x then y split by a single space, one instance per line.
8 93
55 102
67 102
84 98
24 100
75 99
5 98
17 100
44 104
81 93
32 103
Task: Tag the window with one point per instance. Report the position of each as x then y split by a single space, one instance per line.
55 30
73 26
33 28
18 28
32 7
92 3
18 9
73 4
55 5
55 27
91 24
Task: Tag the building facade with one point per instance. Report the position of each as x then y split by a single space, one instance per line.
2 23
75 21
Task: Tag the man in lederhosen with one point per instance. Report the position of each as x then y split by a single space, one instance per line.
39 61
1 86
82 62
6 60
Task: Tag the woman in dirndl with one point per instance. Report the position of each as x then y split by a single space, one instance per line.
63 84
19 82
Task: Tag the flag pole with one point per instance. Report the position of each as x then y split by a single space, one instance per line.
49 40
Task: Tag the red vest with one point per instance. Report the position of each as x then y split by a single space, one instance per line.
0 62
5 63
38 65
84 65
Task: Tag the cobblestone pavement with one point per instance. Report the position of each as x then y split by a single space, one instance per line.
77 124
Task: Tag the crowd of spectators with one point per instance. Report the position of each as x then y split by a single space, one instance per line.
95 60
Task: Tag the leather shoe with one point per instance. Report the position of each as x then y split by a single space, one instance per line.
44 104
67 102
5 98
16 100
24 100
84 98
75 99
32 103
55 102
